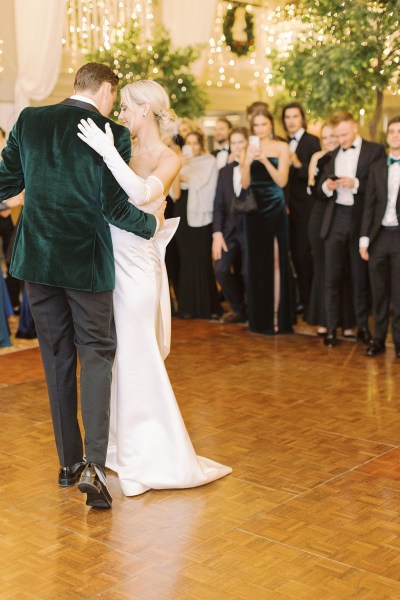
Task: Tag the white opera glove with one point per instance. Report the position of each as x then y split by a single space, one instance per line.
140 191
94 137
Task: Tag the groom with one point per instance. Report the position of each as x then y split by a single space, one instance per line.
63 251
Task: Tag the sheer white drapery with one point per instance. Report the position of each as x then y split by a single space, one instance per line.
38 32
190 23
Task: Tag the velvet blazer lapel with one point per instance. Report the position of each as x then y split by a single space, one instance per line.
80 104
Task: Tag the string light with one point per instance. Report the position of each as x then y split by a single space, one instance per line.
98 24
272 32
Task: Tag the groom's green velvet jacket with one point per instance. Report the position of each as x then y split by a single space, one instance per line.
63 237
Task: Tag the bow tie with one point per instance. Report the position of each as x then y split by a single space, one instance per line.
293 139
392 161
349 148
222 150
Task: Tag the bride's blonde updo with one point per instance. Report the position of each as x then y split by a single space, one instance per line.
150 92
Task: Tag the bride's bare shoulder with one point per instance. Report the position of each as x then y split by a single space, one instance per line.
172 156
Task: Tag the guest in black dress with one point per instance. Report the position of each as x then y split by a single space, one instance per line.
194 192
266 169
316 314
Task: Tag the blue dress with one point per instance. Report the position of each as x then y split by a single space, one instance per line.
262 227
6 311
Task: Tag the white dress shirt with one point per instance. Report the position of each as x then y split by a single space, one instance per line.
84 99
390 217
297 137
346 162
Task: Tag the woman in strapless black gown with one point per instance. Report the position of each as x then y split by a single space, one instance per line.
265 169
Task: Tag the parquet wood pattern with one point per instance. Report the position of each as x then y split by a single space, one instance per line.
311 510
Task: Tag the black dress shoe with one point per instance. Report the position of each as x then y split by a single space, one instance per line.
69 475
374 348
330 339
364 335
93 483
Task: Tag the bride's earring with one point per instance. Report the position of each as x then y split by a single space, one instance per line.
144 115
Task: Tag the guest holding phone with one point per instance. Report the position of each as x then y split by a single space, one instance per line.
343 187
316 314
265 169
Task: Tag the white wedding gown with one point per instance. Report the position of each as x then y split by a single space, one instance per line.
149 446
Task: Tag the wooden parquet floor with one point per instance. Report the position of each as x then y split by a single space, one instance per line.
311 510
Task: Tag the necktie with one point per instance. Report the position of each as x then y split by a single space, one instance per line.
349 148
392 161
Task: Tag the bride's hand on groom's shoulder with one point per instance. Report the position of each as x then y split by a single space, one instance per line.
94 137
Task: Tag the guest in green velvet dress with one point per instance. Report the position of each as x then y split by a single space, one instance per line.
265 169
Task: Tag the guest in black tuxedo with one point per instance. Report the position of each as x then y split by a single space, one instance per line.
316 314
344 185
223 128
380 241
302 146
229 248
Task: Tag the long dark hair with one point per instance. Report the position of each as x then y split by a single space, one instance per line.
261 112
302 112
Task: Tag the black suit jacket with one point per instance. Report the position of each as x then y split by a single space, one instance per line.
369 153
223 219
376 199
298 178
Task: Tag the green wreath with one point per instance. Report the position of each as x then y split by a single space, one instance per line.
238 48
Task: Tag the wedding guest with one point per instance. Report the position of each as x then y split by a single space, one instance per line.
228 247
7 233
316 314
223 128
194 192
257 105
265 169
302 146
343 186
380 241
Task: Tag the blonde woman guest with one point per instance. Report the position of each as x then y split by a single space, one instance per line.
265 169
149 446
194 192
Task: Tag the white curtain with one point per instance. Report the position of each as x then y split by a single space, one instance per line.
38 32
190 22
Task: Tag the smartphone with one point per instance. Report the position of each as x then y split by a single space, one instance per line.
333 177
254 141
187 150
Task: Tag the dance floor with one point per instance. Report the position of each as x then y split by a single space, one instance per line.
311 510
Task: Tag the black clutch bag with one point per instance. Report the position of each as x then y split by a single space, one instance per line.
245 203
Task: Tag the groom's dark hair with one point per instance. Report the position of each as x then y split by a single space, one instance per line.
92 75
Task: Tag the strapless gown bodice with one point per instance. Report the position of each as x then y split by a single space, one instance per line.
267 193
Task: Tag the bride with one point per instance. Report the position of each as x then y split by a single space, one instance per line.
148 446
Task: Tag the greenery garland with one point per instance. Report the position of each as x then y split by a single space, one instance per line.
238 48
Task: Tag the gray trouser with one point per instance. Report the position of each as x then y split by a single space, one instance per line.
71 324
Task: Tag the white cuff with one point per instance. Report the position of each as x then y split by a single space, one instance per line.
326 190
157 224
217 234
356 186
364 242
